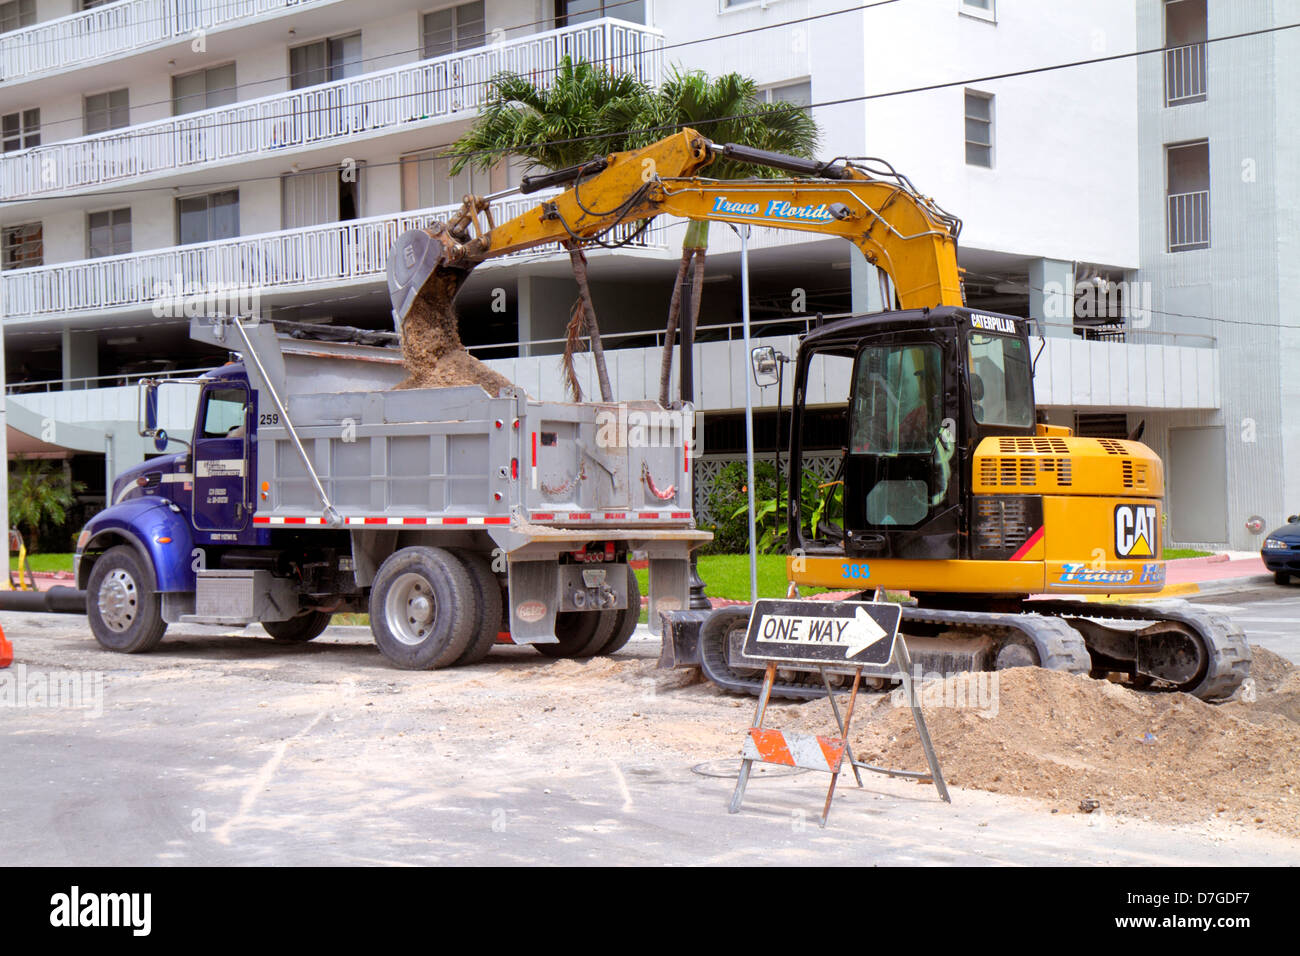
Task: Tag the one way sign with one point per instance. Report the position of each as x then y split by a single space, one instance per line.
823 633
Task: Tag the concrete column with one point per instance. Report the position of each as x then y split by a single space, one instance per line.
80 356
864 283
1051 295
524 311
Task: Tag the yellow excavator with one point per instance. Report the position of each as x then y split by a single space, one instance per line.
952 488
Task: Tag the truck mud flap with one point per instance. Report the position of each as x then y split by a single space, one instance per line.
670 588
533 589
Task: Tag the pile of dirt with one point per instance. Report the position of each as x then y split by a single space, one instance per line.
1067 739
431 345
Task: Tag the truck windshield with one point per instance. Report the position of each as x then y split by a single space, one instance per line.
1001 383
896 400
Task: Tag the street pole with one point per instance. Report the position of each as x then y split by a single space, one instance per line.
4 461
749 414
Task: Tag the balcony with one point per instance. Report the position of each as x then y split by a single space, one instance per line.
307 259
122 28
401 98
1185 78
1189 221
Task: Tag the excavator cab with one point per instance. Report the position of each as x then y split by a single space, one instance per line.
924 387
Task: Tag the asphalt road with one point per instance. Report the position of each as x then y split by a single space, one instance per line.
230 749
1269 613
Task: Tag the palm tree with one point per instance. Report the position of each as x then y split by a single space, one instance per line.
39 491
552 126
726 109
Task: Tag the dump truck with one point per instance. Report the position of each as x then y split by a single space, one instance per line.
312 486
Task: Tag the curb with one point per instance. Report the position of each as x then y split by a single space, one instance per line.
1197 562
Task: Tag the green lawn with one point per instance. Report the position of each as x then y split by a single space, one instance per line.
44 562
1173 553
727 576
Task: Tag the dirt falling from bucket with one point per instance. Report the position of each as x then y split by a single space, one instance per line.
431 346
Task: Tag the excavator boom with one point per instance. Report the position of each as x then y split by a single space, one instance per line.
906 235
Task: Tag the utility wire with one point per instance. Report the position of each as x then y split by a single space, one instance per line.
595 137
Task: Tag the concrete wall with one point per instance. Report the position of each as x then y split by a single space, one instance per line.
1242 288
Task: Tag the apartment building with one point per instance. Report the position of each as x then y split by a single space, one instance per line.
278 146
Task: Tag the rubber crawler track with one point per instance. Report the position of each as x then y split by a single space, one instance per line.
1228 652
1059 646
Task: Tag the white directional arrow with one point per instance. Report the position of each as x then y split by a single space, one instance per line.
855 635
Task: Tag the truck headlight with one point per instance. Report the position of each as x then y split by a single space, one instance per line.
1273 544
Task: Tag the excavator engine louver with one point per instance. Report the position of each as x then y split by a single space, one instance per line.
1003 523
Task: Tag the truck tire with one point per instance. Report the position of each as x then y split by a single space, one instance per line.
300 629
626 619
1282 577
422 609
123 608
487 623
575 630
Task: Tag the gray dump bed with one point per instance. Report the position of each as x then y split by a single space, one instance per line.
539 477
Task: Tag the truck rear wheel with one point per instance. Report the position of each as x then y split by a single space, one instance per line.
300 629
577 631
487 623
626 619
123 608
419 612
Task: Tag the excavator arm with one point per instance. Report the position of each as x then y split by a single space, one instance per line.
906 235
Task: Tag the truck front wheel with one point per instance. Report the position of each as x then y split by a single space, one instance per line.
300 629
422 608
122 606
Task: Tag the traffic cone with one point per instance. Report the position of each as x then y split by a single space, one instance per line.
6 650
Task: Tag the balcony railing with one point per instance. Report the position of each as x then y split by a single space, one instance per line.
1189 221
336 254
117 29
442 87
1185 79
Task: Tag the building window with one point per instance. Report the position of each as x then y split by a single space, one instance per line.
1188 187
325 61
17 14
91 4
569 13
1186 30
105 111
979 129
203 89
795 94
207 218
984 5
427 180
20 130
454 29
23 246
108 233
318 198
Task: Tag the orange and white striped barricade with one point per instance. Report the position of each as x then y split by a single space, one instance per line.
842 636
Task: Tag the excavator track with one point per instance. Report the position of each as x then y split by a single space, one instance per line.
939 640
1212 657
1182 647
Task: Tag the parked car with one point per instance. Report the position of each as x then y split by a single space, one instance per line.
1281 551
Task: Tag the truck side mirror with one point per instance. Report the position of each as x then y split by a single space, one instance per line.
1294 519
149 404
765 367
160 440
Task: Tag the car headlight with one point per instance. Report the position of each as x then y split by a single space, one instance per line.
1273 544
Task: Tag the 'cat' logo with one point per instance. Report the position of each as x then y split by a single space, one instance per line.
1135 531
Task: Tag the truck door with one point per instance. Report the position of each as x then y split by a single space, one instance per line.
902 470
221 458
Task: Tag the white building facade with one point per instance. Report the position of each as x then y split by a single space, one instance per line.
279 146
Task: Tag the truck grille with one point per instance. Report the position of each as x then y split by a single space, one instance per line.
1004 523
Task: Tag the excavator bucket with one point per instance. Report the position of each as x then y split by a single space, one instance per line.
419 268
